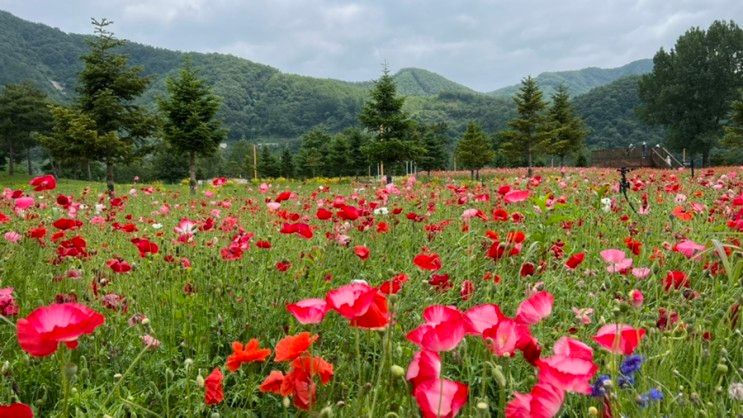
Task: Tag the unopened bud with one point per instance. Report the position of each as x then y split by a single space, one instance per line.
592 411
483 406
326 412
200 381
286 402
397 370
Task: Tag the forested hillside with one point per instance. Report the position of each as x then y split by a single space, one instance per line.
261 102
581 81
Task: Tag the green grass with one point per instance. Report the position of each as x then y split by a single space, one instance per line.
239 300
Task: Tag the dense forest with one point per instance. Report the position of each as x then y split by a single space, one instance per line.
262 104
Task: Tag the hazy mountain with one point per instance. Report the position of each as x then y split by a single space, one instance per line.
581 81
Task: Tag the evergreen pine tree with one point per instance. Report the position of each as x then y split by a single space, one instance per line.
312 155
359 163
529 130
384 118
287 163
190 126
107 90
339 157
474 150
567 129
23 112
267 165
434 143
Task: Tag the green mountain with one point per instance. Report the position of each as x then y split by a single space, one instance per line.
265 104
610 114
581 81
420 82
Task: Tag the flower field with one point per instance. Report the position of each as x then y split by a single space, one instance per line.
438 297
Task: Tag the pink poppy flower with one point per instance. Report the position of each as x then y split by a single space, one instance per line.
308 311
515 196
571 368
12 237
534 309
440 399
619 338
688 248
443 330
544 401
481 317
425 365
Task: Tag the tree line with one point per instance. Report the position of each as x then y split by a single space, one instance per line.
106 129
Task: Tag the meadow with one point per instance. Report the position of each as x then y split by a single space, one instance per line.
435 297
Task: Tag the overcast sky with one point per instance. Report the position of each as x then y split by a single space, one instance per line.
483 44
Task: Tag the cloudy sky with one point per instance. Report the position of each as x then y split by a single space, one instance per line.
484 44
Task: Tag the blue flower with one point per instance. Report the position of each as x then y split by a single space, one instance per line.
631 365
626 381
651 395
597 388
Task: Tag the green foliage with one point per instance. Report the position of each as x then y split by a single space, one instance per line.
359 162
24 112
420 82
567 129
268 166
390 126
579 82
74 137
692 86
286 163
474 151
339 156
434 141
530 130
312 156
610 116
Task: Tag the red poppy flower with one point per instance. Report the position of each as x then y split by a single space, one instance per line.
348 213
361 252
285 195
263 244
301 229
41 183
16 410
440 398
426 261
283 266
619 338
308 311
118 265
425 365
272 382
65 224
213 388
41 332
248 353
145 246
351 300
527 269
292 346
323 214
675 280
376 317
575 260
468 288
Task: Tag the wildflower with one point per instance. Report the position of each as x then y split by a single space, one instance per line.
213 387
619 338
292 346
248 353
16 410
41 183
735 391
41 332
440 398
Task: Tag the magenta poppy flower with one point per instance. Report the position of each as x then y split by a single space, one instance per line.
41 332
41 183
443 331
571 368
515 196
425 365
536 308
544 401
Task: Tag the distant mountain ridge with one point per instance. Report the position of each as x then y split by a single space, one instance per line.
261 103
581 81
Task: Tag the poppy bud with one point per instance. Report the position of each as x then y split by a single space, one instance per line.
397 371
70 371
118 376
722 369
592 411
200 381
326 412
215 415
483 406
498 375
5 368
286 402
188 363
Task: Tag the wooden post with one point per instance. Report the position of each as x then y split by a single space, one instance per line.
381 168
683 155
255 163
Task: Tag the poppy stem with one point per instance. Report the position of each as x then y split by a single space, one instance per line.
126 373
65 382
379 371
8 321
